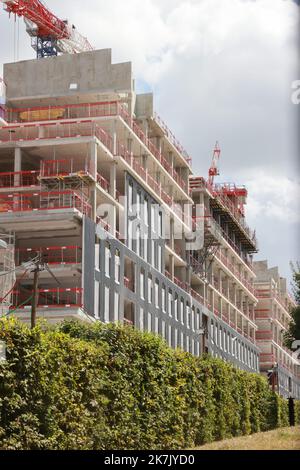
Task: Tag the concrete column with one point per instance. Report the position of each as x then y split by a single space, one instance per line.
93 160
112 179
171 266
114 138
17 166
93 202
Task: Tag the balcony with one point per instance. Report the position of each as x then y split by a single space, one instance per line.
17 179
225 261
60 130
171 137
94 110
50 255
40 201
49 298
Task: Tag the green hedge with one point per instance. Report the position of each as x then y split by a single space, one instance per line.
77 386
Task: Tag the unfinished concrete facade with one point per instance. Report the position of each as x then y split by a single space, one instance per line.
272 318
94 182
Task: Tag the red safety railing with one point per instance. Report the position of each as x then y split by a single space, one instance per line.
93 110
19 179
49 255
225 261
55 130
172 138
19 202
103 182
49 298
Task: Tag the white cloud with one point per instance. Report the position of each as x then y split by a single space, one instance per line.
220 69
273 198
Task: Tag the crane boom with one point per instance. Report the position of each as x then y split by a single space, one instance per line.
50 34
214 170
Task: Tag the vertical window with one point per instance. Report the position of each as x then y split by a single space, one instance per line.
160 224
116 307
117 266
159 264
176 307
220 338
170 298
149 322
156 324
156 294
153 253
130 196
163 297
138 241
146 214
138 204
181 311
97 256
130 234
141 319
107 259
150 299
145 245
170 335
106 304
175 338
97 291
163 329
153 217
142 284
188 322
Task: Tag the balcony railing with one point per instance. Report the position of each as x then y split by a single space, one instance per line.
49 298
55 130
235 271
19 202
49 255
19 179
172 138
94 110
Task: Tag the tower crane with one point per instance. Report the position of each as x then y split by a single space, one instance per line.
50 35
214 169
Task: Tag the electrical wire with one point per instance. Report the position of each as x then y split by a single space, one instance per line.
16 282
16 308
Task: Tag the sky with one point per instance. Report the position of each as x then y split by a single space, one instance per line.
220 70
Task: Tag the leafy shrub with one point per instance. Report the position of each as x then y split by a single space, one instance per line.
80 386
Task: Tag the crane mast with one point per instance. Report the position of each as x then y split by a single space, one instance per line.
49 34
214 170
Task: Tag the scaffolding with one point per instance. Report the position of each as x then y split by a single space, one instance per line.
7 271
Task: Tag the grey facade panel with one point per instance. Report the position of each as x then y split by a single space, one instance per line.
89 265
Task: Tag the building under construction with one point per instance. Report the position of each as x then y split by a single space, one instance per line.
96 190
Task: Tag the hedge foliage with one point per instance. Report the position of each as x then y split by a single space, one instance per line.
79 386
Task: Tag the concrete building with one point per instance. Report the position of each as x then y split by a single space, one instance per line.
272 318
7 271
94 182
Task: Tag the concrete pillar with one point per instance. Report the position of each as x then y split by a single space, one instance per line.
93 160
171 266
112 179
17 166
114 138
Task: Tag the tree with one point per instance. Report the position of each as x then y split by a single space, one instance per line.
293 331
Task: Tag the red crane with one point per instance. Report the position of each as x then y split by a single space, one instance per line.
50 35
214 170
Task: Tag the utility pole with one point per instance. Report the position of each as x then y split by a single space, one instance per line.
35 295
